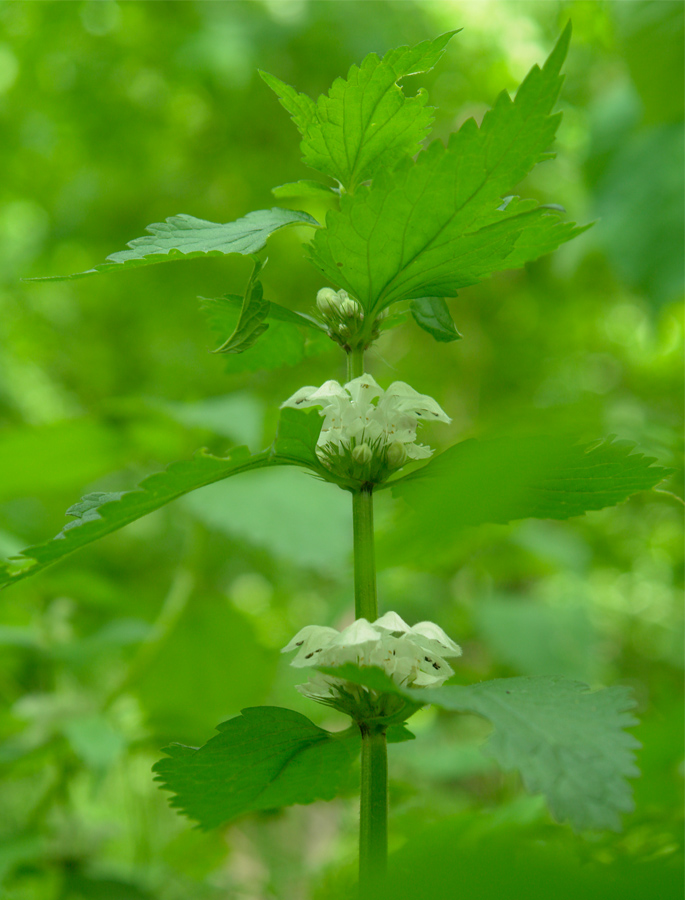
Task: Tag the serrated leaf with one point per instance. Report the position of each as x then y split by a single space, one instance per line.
99 514
365 122
567 742
304 188
433 315
503 479
265 758
430 227
253 310
184 237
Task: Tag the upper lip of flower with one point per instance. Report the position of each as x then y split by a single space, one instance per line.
409 655
351 416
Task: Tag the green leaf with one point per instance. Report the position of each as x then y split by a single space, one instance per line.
265 758
503 479
430 227
433 315
365 123
253 310
567 742
99 514
184 237
303 188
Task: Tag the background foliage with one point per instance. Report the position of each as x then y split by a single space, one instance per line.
117 115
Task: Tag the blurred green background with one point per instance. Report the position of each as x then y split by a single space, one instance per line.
115 115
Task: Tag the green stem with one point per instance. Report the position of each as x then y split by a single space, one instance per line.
373 822
365 601
355 363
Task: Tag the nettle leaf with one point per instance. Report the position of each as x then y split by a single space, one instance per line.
365 122
430 227
253 310
266 758
184 237
567 742
503 479
433 315
99 514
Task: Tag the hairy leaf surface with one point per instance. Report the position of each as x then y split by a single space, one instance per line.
183 237
99 514
265 758
429 227
365 122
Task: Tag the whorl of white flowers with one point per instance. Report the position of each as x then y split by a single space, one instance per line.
360 414
412 657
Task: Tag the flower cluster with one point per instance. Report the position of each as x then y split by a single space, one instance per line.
412 657
365 423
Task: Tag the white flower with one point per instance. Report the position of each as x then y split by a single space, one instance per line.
411 657
362 412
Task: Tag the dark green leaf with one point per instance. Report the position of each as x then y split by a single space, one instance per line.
430 227
183 237
365 122
265 758
253 310
99 514
433 315
503 479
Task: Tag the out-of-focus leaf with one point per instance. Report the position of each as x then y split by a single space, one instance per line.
365 122
56 457
433 315
567 742
99 514
303 188
265 758
183 237
499 480
430 227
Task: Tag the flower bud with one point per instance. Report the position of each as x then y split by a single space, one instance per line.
397 455
350 308
327 300
362 454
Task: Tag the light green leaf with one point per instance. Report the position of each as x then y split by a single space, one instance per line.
567 742
266 758
433 315
429 227
184 237
253 311
303 188
99 514
365 122
503 479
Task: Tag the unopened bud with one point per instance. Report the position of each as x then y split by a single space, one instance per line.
327 300
362 454
350 308
397 455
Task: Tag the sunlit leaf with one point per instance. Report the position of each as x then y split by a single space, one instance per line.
365 122
429 227
265 758
184 237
